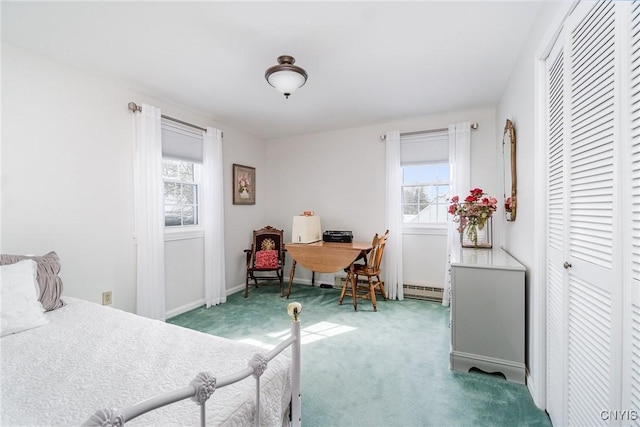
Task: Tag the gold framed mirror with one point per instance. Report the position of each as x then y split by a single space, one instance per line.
509 168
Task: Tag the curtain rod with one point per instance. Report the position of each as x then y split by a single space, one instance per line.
474 126
134 107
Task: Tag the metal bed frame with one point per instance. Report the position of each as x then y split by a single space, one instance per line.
204 384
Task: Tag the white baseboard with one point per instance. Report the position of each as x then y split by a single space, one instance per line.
235 289
183 309
316 283
535 393
198 303
240 288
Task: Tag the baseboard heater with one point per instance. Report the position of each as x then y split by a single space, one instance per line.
339 281
424 292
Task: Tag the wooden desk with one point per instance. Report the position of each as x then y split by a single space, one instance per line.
326 257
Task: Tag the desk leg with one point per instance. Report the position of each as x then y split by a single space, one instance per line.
291 274
354 284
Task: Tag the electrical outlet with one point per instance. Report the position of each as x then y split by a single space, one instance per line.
106 298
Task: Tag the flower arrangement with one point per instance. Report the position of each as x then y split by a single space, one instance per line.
473 213
243 185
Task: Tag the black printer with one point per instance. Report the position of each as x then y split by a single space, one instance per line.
337 236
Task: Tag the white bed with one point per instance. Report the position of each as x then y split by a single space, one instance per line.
90 357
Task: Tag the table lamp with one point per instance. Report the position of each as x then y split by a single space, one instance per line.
306 229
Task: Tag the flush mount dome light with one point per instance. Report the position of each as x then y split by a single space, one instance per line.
285 76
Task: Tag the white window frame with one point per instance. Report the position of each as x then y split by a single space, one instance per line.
424 148
426 228
185 232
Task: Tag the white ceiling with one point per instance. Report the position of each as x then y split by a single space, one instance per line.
368 62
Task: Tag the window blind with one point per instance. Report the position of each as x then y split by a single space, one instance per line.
424 148
181 144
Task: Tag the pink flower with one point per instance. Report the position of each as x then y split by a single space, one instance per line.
477 192
474 211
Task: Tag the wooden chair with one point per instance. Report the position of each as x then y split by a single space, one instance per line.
371 270
266 255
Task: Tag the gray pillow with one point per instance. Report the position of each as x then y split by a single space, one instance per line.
48 280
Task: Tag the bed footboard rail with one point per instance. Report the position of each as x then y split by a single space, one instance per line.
204 384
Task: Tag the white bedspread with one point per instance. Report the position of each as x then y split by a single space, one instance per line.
92 357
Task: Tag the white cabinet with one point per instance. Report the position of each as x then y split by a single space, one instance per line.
487 313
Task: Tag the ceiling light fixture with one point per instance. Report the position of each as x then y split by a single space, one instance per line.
285 76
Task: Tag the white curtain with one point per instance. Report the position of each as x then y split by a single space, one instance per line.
393 218
213 220
460 178
149 213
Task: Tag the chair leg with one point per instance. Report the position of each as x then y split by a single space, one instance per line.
372 292
354 291
246 287
292 273
347 282
280 274
381 284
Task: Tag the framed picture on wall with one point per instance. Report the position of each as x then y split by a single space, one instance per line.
244 185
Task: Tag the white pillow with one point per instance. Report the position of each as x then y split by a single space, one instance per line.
20 307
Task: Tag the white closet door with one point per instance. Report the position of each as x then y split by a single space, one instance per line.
584 343
556 286
631 375
594 354
593 219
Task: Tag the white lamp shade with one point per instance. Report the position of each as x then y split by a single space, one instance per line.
286 81
285 76
306 229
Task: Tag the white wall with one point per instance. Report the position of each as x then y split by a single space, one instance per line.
184 275
241 220
518 103
67 179
341 177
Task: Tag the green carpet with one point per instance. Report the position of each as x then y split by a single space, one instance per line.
389 368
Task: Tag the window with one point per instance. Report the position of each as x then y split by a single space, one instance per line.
182 156
424 157
181 198
425 193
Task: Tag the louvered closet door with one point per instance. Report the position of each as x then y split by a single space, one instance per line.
583 298
594 349
631 374
555 236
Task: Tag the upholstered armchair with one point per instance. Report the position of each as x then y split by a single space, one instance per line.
265 259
